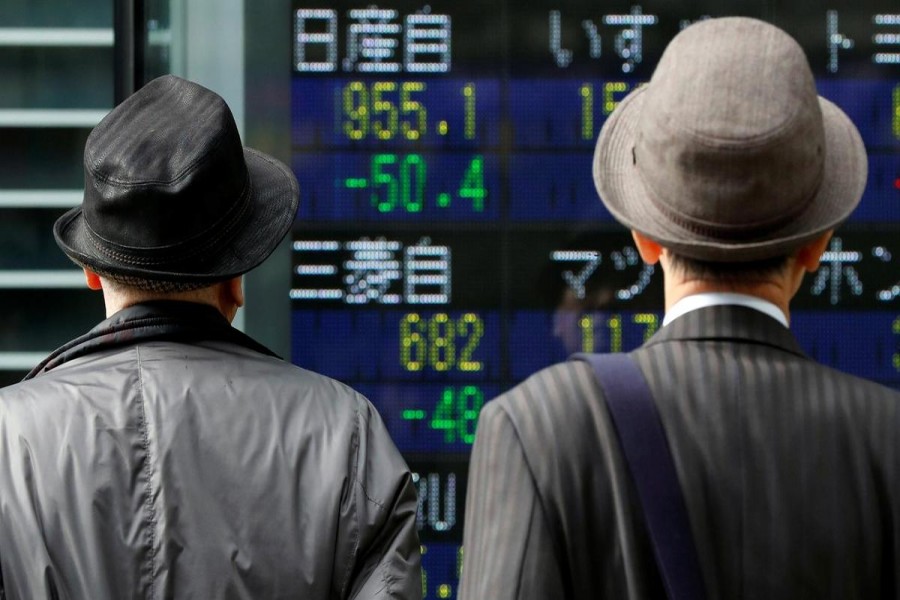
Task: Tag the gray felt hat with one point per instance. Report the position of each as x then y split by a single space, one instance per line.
728 153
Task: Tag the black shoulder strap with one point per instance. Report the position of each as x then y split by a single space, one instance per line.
643 442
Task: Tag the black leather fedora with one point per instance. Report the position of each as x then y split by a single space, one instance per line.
171 195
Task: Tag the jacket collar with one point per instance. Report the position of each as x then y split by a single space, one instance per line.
728 323
152 321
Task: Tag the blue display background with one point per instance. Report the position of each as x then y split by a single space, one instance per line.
531 123
545 160
362 348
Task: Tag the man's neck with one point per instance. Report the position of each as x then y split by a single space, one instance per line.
115 307
117 301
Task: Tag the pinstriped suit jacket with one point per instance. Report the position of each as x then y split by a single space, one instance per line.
790 471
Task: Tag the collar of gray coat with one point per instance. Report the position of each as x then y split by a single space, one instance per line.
727 322
704 299
152 321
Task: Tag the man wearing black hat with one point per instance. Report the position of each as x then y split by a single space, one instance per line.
165 454
732 174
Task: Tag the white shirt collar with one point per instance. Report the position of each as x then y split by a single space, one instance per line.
704 299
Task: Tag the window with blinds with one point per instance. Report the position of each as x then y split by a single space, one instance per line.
56 65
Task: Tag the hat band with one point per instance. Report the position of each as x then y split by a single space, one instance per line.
217 235
724 231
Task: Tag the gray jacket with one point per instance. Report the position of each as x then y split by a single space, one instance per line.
166 455
790 472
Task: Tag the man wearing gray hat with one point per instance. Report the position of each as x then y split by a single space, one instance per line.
732 173
165 454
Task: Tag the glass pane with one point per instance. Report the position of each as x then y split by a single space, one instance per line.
159 39
56 77
56 65
56 13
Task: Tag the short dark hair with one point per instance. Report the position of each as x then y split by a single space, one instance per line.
729 272
119 282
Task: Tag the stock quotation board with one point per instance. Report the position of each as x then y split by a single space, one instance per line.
450 242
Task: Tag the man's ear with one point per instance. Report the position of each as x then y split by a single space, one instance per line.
649 250
93 280
810 254
230 297
237 290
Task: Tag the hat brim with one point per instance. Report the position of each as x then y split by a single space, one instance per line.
273 201
619 185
